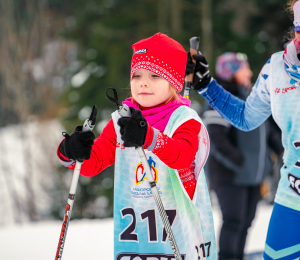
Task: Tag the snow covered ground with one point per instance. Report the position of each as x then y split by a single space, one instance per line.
93 239
28 163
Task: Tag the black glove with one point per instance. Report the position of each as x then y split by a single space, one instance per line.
190 65
201 72
78 145
133 129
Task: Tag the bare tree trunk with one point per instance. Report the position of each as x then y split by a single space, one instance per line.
176 19
27 70
206 40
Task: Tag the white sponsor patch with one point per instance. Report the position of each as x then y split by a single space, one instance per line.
294 183
141 51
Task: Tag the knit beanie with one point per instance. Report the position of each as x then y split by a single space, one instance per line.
296 9
161 55
229 63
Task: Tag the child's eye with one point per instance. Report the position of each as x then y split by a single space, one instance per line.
136 76
155 76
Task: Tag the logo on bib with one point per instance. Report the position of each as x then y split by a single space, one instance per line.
284 90
294 183
140 187
140 173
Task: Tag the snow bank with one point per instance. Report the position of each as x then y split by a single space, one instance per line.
93 239
27 164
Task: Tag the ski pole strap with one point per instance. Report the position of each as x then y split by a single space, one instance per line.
113 99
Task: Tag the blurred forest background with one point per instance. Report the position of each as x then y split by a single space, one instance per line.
58 58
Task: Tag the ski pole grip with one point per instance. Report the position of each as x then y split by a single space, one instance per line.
194 46
89 124
124 111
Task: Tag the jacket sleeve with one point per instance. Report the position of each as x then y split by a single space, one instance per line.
245 115
217 128
102 156
179 151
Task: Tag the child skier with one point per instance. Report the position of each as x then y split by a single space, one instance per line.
176 144
276 92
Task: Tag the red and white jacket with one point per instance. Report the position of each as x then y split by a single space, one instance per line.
177 152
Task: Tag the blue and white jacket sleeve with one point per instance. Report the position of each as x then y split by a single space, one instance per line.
245 115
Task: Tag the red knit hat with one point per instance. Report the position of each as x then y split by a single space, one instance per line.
161 55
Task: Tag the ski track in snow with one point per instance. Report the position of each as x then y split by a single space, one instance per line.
93 239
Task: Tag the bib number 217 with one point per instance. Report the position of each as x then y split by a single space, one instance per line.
129 235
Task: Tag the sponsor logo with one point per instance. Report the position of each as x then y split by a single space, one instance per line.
294 183
140 173
134 256
141 188
141 51
284 90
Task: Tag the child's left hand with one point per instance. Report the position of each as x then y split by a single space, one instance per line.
133 129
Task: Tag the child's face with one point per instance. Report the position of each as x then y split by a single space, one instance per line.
149 89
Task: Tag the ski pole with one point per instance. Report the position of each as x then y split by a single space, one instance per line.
194 45
124 111
87 126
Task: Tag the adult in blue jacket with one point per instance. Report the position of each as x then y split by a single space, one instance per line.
276 92
238 161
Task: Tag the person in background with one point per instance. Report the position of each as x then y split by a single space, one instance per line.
276 92
239 161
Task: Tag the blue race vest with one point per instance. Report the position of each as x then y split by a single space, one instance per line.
285 105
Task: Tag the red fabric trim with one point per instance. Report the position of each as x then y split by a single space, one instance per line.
187 177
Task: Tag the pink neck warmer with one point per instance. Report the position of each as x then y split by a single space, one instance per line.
158 117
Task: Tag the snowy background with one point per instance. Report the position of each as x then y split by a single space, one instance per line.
93 239
33 239
27 170
57 59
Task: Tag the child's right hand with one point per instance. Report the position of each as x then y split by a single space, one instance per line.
78 145
133 129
